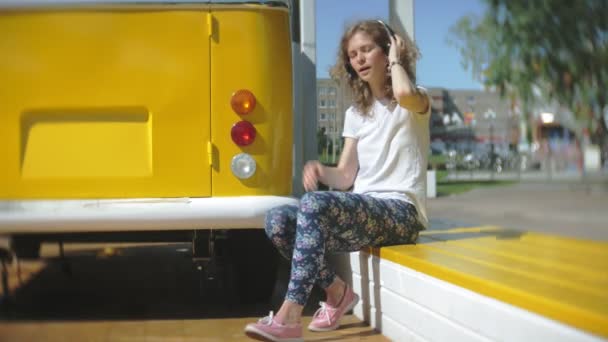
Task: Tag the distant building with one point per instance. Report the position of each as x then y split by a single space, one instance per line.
463 120
332 102
327 105
460 118
467 117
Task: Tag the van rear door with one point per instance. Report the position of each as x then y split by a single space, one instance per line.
104 103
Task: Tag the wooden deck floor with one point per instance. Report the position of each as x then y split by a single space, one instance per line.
131 293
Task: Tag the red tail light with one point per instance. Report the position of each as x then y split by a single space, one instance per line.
243 133
243 102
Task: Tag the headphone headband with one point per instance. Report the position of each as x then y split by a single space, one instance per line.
389 30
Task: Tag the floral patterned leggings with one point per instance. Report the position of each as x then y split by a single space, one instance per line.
333 221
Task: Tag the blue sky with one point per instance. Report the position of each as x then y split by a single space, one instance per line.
440 63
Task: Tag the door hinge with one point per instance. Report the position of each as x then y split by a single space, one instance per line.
210 24
210 153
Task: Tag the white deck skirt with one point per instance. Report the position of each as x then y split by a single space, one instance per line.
60 216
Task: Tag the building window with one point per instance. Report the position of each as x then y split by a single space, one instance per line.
322 117
332 103
322 104
322 90
332 91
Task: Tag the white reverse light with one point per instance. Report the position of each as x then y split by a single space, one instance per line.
243 166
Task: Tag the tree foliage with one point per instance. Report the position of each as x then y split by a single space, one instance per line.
557 46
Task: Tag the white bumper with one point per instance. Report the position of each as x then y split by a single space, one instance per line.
60 216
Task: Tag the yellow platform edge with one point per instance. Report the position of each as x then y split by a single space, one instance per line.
587 320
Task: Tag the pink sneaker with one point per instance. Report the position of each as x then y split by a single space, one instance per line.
266 329
327 318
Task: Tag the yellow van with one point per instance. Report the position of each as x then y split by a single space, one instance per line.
125 117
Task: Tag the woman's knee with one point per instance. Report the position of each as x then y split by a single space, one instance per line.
314 202
277 220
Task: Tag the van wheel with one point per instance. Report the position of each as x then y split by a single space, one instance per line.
25 247
255 261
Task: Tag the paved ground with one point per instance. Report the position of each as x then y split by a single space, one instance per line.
566 208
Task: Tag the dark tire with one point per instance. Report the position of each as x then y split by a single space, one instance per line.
225 277
25 247
255 260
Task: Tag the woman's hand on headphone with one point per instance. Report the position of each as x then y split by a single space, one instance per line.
395 48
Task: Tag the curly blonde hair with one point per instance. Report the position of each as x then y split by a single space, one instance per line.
343 71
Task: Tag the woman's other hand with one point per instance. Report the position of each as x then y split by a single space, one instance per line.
337 178
311 175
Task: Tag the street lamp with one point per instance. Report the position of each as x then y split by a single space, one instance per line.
471 103
547 118
491 115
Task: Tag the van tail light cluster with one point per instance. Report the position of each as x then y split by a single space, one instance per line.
243 133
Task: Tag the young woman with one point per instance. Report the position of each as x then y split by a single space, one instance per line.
386 142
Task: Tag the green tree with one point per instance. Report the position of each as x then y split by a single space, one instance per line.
557 46
321 140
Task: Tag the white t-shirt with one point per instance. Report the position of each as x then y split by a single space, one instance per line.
392 148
